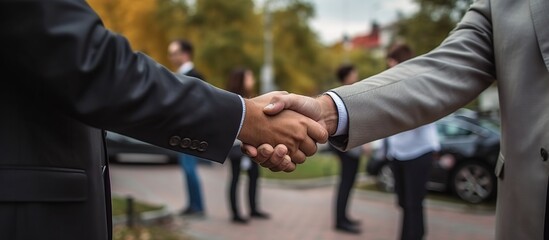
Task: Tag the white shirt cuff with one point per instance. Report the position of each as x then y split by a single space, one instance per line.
243 115
342 121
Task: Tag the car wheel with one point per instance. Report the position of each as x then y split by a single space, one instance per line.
473 182
385 179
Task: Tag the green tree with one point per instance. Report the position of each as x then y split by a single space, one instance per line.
366 62
426 29
136 20
297 51
171 16
226 35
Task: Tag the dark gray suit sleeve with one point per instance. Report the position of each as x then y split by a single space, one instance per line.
91 74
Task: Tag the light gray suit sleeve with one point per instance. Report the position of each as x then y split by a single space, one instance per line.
423 89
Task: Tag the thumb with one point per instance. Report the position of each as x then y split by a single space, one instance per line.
307 106
275 107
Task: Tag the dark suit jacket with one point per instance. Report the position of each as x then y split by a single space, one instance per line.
71 78
195 73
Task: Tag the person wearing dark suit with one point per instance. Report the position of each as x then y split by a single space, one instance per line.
503 40
346 74
180 52
242 82
71 79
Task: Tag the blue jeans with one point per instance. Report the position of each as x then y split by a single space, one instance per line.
188 164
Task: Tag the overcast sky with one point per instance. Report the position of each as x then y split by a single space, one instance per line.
336 17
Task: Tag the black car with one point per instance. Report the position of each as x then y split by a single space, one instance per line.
121 148
465 165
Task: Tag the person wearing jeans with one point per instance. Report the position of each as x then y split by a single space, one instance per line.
195 202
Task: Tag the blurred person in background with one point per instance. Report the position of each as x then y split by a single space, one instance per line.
242 82
180 54
412 153
349 161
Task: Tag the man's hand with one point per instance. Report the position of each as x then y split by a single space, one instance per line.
295 132
321 109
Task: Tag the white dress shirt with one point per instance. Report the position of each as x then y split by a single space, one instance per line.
414 143
402 146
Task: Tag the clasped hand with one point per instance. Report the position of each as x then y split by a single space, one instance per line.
280 130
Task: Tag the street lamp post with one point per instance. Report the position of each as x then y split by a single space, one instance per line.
267 70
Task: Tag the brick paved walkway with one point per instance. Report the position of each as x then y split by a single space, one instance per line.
304 214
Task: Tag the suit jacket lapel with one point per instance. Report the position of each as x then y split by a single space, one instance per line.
540 17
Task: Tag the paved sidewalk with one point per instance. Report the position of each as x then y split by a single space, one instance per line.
297 213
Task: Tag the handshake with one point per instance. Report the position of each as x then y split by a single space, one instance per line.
280 130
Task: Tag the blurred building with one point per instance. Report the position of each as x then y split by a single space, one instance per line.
374 41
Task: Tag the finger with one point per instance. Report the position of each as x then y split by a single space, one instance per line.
264 152
298 157
316 131
291 167
271 159
308 147
285 164
278 167
249 150
281 151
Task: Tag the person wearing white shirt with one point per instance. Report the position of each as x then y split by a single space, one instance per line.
412 153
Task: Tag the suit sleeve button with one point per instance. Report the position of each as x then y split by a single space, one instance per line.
174 141
195 144
203 146
185 143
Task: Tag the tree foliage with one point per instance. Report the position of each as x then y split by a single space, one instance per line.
426 29
226 34
229 34
137 20
296 48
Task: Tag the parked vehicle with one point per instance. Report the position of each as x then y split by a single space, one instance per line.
121 148
464 166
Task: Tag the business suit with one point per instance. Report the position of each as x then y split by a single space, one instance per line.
194 73
73 78
507 40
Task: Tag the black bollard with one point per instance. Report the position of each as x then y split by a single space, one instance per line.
130 211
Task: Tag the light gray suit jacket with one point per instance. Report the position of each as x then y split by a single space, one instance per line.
507 40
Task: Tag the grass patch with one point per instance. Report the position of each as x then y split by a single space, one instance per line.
147 233
119 206
138 232
319 165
